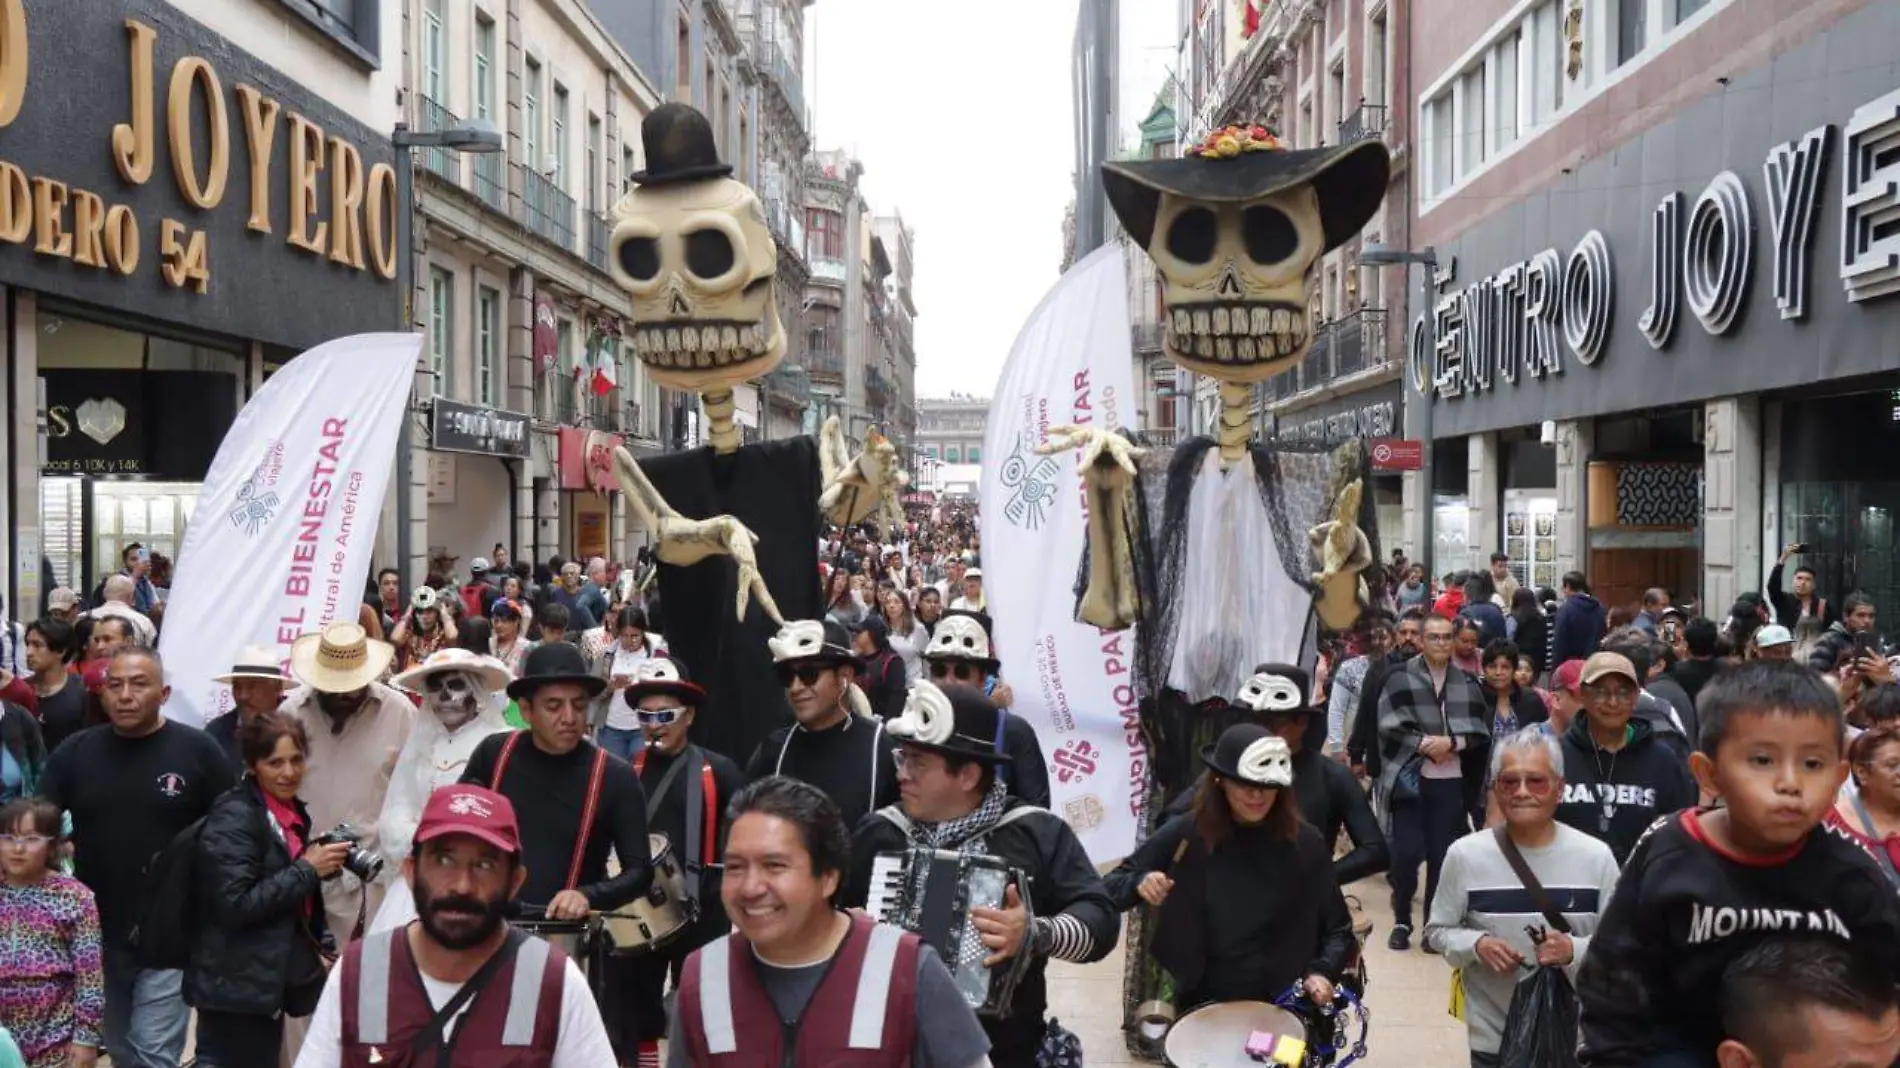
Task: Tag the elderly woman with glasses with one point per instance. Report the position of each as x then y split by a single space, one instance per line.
1619 777
1870 813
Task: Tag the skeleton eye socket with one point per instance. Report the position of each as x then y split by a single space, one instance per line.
709 253
1192 236
640 258
1271 237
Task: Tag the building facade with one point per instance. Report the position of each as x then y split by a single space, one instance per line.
950 429
1096 79
159 263
1666 295
1165 388
900 319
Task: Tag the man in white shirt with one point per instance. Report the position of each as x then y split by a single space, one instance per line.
460 958
118 605
972 599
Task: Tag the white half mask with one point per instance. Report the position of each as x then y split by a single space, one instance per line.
453 697
654 669
959 636
1270 693
797 640
1267 762
700 264
927 718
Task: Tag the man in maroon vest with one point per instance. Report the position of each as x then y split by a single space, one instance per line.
458 985
800 982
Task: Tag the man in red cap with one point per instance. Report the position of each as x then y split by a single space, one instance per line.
459 979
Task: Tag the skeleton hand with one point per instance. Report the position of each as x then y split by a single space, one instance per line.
857 487
1101 449
682 542
1343 552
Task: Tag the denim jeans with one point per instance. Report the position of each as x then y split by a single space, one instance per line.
1423 831
622 744
145 1013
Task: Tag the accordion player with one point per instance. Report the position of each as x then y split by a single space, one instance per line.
930 893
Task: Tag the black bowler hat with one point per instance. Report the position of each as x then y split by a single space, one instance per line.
679 146
812 641
957 721
1252 754
554 662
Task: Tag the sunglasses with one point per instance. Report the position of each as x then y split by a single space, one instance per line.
659 717
1535 785
809 674
940 669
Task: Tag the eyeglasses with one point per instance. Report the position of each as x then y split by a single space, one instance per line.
659 717
1615 695
1438 639
809 674
943 669
23 841
910 761
1535 785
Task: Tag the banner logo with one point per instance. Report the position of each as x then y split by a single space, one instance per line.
101 419
1084 813
1033 488
1075 761
256 503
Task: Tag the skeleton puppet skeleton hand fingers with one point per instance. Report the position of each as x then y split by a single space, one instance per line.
1096 445
1344 551
683 541
863 485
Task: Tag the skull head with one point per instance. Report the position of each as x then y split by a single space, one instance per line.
700 263
454 697
1234 230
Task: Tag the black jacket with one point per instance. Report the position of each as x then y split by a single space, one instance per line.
1692 675
1027 773
1614 797
1063 882
883 683
1788 606
1532 638
1336 803
1666 689
1245 921
1363 746
249 909
1578 630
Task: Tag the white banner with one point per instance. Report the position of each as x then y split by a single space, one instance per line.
286 523
1072 363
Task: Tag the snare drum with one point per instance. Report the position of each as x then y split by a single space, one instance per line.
1216 1036
648 924
576 938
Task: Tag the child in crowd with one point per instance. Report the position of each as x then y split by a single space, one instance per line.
1705 886
1808 1001
52 987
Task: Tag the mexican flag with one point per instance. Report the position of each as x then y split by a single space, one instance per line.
605 373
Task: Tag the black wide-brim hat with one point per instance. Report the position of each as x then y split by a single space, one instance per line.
680 147
554 662
1224 756
976 723
1349 179
665 676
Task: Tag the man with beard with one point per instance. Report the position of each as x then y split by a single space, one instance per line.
836 744
953 800
356 727
687 790
257 686
577 801
459 982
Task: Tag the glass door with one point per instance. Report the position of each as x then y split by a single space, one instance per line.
154 514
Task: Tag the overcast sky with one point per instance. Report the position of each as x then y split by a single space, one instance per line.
960 113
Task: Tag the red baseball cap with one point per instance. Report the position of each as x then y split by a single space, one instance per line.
471 810
1568 677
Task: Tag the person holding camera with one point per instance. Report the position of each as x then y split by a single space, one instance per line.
262 948
1803 601
423 629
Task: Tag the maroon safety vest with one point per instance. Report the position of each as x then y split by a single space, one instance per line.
514 1022
863 1014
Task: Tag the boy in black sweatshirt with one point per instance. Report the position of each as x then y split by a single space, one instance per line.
1704 886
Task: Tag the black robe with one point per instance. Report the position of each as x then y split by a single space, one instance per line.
772 487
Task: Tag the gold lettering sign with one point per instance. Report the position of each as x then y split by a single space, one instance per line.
132 141
306 159
382 208
12 59
346 203
192 71
260 130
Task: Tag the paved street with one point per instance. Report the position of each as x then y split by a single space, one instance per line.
1408 994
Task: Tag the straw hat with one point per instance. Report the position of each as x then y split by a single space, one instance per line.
494 675
340 658
254 662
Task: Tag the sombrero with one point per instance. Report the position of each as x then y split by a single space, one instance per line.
341 658
494 675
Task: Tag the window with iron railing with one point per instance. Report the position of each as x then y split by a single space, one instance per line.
597 234
549 212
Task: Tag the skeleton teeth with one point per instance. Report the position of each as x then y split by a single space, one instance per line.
1262 321
729 338
1224 349
672 339
1182 322
709 339
705 359
1204 347
758 338
1221 321
1244 349
1201 323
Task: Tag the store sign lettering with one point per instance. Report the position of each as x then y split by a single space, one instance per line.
348 217
1535 316
1369 421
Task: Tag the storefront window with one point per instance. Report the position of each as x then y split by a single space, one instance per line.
1840 495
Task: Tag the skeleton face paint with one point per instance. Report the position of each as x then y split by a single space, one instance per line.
454 697
1234 281
700 263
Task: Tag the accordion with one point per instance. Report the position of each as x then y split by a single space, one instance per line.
930 892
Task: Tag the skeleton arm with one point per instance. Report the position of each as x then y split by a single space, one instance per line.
682 542
1343 552
857 488
1110 600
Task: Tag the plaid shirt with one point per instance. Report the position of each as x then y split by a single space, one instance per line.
1410 712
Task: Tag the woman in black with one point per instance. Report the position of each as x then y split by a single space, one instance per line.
1529 628
261 940
1247 903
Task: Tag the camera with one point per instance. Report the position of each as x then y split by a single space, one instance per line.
358 861
423 598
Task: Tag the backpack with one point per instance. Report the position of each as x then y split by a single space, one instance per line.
163 936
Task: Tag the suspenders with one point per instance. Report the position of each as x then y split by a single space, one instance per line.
589 808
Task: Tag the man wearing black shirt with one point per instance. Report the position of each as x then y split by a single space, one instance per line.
130 786
50 644
836 745
556 778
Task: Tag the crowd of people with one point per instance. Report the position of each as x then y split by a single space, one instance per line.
1677 814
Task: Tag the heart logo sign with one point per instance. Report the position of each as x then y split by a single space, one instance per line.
101 419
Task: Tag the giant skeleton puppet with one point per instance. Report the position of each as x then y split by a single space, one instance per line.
1225 551
692 247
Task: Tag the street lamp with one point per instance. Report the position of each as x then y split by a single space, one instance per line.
468 135
1421 379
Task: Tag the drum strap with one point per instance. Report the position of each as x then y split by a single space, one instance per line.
589 807
702 793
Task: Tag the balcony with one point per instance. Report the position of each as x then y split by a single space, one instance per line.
597 234
432 117
778 69
1317 365
548 211
1366 121
877 389
491 179
824 362
789 386
826 269
1163 437
1358 342
787 227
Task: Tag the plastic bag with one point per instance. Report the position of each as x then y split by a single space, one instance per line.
1540 1031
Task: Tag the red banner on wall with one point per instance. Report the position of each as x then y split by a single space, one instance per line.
586 459
546 337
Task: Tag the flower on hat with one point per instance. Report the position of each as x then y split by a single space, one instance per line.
1230 142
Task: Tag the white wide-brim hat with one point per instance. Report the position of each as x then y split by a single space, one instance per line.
490 672
255 662
340 658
